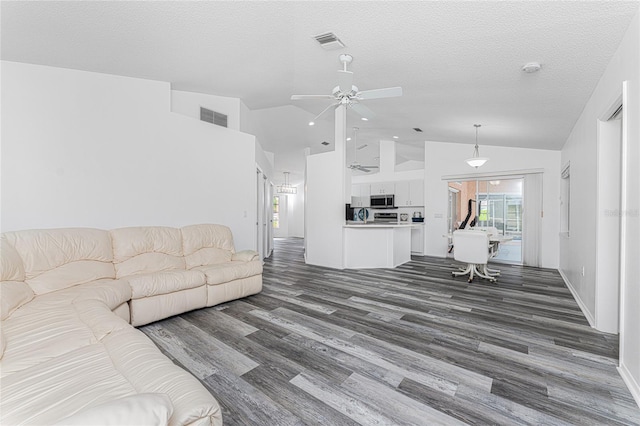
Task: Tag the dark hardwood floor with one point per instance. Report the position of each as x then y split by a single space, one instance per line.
404 346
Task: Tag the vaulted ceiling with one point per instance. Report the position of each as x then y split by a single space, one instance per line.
459 63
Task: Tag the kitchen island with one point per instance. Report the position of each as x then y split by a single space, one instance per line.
377 245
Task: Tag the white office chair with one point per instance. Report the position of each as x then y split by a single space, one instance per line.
493 247
472 248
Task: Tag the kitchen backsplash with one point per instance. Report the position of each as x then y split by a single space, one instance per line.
400 210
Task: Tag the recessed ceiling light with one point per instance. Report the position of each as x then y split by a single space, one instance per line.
395 137
348 139
531 67
364 119
311 123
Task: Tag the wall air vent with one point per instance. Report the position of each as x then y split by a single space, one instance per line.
417 129
213 117
329 41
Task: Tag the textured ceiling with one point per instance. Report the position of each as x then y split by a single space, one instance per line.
458 62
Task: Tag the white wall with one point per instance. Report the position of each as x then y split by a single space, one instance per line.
189 103
324 211
581 150
443 159
296 213
97 150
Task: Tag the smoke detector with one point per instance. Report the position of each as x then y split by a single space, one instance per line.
531 67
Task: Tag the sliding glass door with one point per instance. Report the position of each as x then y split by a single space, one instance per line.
490 203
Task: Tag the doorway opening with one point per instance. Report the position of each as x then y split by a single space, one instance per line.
496 203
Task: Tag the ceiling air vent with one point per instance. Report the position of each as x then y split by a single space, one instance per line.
213 117
417 129
325 143
329 41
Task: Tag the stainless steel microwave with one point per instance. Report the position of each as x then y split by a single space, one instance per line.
383 202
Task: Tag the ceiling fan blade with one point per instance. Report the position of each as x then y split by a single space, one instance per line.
389 92
362 110
300 97
325 110
362 169
345 81
371 167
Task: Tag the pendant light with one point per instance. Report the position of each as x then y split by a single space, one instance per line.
286 188
476 161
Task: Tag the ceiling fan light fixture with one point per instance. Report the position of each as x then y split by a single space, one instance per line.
476 161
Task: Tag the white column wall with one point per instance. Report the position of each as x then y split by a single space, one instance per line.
82 149
442 159
581 150
325 180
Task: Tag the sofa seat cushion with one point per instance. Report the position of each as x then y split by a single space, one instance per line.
136 357
112 293
56 323
36 395
57 379
143 409
147 285
230 271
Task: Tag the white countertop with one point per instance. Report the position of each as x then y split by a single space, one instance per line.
352 224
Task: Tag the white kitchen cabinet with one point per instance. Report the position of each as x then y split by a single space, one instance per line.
417 240
382 188
360 195
402 194
409 193
416 192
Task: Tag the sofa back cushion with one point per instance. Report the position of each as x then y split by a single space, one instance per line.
13 294
148 249
11 267
206 244
60 258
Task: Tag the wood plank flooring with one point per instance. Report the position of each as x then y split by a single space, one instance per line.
404 346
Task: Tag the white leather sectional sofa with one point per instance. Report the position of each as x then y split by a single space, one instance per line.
69 301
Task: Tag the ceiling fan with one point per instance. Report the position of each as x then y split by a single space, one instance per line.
345 93
354 164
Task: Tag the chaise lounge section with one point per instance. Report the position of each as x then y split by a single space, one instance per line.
69 354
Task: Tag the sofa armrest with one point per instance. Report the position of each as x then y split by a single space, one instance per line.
245 255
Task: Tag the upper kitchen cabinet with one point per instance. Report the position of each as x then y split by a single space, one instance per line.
360 195
409 193
382 188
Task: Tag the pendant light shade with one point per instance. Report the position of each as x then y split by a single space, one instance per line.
476 161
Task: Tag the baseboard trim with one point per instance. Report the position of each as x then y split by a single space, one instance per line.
583 307
630 381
